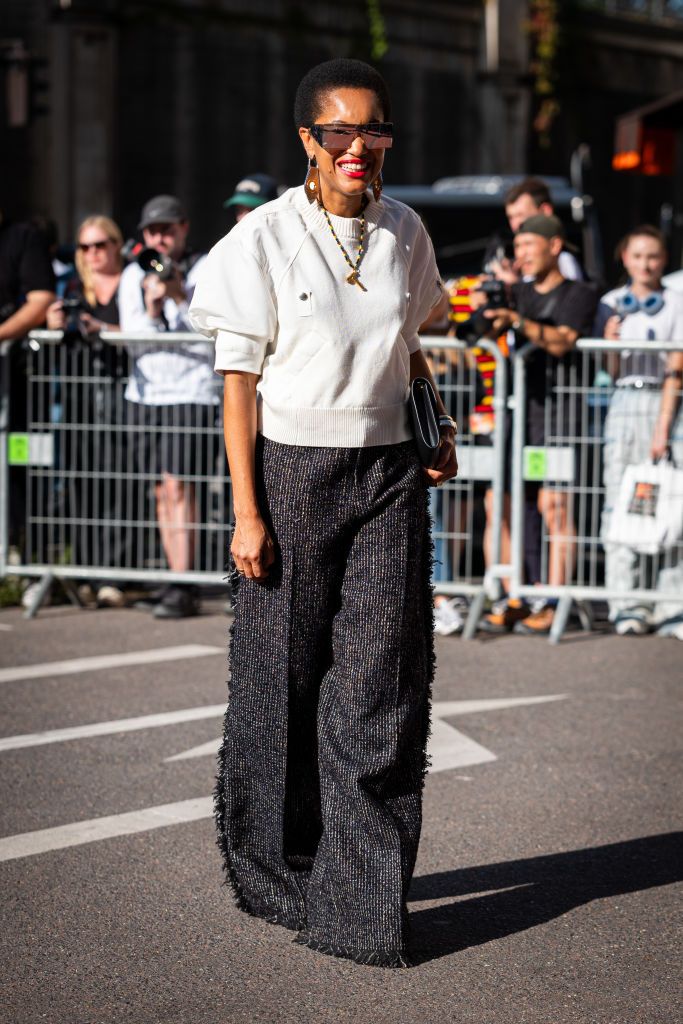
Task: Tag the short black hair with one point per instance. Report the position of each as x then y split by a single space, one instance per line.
534 187
337 74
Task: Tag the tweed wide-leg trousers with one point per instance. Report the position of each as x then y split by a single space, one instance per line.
319 791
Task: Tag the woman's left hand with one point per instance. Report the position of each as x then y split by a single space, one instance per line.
447 465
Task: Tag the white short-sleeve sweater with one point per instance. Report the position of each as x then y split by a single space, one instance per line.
333 359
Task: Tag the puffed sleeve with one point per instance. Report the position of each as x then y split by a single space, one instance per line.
233 303
426 287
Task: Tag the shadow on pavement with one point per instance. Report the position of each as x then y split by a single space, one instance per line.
546 887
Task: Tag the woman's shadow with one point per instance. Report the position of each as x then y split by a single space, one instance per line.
544 888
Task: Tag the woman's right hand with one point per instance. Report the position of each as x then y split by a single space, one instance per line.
252 548
55 316
613 328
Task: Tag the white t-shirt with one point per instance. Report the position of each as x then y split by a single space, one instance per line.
333 358
666 325
170 374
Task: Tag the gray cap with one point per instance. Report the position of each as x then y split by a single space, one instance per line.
162 210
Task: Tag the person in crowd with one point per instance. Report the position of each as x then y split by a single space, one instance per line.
99 265
314 302
171 391
26 279
26 291
525 199
448 510
250 193
93 290
644 419
551 313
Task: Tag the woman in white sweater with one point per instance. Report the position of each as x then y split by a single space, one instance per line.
314 301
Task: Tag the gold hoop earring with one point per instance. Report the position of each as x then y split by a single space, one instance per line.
312 182
377 186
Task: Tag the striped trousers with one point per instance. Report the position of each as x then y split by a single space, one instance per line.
319 790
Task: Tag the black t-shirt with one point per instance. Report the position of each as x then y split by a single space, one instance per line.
24 266
571 304
107 312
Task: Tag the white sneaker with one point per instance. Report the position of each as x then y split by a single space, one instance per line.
674 629
109 596
630 625
449 616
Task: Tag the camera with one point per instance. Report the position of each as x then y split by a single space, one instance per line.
72 308
497 297
154 262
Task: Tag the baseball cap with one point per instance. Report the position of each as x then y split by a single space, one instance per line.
546 225
253 191
162 210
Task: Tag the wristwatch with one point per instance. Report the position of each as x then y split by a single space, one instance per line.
448 422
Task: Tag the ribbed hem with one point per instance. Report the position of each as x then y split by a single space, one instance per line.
362 427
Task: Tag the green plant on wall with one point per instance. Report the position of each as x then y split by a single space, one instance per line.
378 35
544 31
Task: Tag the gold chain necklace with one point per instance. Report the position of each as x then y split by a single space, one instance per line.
353 277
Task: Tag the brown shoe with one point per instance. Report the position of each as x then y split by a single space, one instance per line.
539 623
503 616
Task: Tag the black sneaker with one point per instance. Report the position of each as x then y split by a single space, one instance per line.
149 602
179 602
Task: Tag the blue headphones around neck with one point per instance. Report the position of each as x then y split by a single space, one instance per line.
628 303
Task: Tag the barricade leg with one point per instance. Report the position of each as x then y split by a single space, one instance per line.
564 606
41 593
474 614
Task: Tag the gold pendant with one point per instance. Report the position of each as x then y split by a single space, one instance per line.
354 279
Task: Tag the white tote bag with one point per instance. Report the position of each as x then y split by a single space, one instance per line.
648 513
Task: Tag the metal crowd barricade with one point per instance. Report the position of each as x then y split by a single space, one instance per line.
82 467
84 470
590 425
458 506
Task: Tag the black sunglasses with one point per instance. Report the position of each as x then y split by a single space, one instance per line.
84 246
375 134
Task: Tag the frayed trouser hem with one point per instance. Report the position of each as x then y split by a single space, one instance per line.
366 957
255 907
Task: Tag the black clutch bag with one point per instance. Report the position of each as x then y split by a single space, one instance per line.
425 420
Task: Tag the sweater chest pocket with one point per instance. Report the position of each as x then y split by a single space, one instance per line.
304 304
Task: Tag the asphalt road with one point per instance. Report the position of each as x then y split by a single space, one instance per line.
545 885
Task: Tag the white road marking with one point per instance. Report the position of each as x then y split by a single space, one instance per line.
449 708
43 840
67 668
5 627
448 747
79 732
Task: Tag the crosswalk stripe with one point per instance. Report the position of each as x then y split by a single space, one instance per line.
102 661
28 844
78 732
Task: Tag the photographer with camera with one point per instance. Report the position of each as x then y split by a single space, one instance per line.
90 301
526 199
172 392
88 304
551 313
